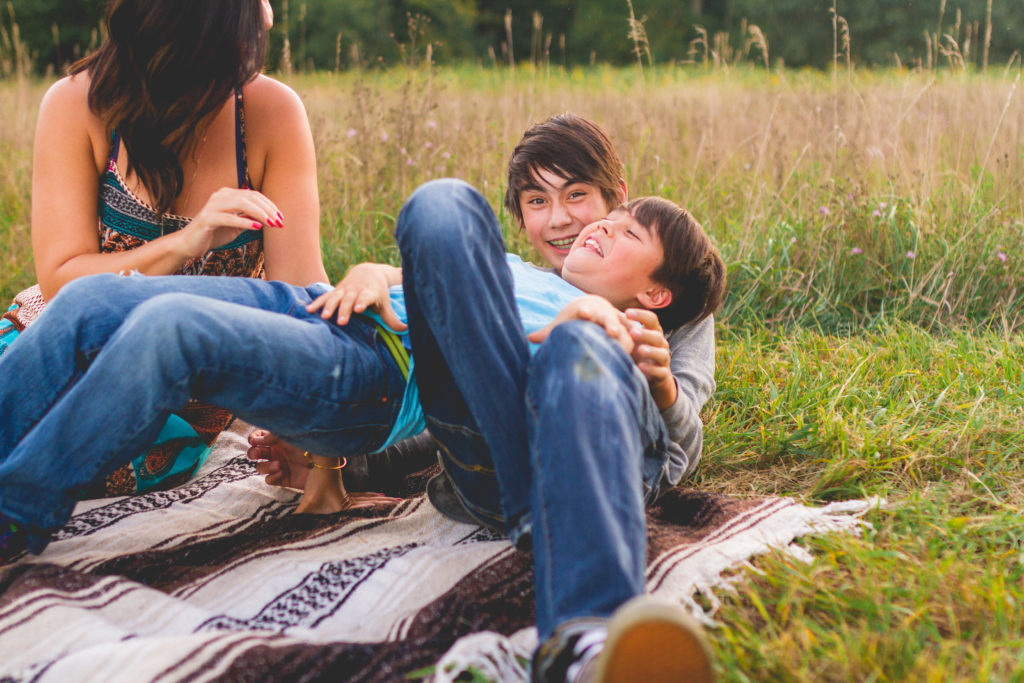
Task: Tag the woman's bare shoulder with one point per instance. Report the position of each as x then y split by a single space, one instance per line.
64 115
70 94
270 98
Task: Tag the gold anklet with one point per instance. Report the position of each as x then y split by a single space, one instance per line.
310 464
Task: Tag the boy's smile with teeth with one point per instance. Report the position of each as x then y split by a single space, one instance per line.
563 243
592 243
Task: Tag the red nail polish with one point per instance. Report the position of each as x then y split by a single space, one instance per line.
256 226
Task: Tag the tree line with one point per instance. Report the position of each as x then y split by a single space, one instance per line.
341 34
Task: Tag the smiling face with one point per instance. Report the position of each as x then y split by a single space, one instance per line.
615 257
556 209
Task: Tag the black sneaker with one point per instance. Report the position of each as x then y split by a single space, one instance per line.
13 540
568 655
645 640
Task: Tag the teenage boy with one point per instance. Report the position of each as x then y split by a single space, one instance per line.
572 433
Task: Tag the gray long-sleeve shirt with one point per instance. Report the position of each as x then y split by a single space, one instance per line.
692 349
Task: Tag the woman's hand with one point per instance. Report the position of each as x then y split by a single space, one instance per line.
652 355
597 310
366 285
227 213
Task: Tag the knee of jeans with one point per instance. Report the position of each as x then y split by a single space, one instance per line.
427 220
81 294
167 318
578 353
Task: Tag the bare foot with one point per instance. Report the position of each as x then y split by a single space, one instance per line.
282 463
325 493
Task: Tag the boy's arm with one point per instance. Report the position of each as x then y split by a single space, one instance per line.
693 371
680 369
366 285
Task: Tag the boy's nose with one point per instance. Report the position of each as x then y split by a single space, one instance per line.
559 215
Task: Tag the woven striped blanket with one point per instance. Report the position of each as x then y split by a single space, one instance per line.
218 579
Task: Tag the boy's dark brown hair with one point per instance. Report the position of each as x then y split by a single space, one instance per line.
691 267
570 146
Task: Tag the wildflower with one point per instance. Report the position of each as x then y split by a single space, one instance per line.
446 155
824 211
850 196
428 144
383 137
882 205
1001 256
911 254
856 250
431 123
876 213
352 132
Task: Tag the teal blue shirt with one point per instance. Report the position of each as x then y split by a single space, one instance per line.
540 297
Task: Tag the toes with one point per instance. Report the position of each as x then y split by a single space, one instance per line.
261 437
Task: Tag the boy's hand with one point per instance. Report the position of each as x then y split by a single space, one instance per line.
365 285
652 355
597 310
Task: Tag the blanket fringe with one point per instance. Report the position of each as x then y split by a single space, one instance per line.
700 571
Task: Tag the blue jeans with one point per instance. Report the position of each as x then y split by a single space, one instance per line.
563 444
94 379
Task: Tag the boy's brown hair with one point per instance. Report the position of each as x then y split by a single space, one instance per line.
570 146
691 267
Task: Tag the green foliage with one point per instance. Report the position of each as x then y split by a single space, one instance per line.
57 32
323 33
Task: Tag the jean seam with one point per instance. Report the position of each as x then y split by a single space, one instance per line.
543 522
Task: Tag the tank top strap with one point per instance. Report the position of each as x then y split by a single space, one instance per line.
241 163
115 146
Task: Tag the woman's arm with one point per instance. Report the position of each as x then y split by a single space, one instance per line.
282 165
69 155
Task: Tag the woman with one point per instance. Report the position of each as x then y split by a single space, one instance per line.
166 151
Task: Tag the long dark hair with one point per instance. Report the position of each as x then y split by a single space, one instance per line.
163 72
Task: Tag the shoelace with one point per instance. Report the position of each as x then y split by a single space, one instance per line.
587 647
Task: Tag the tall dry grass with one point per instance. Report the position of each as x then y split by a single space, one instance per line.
837 200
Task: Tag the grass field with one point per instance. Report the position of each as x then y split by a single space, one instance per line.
870 344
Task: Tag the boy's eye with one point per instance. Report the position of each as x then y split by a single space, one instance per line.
536 201
576 194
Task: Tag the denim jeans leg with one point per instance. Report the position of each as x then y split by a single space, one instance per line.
468 343
57 348
592 422
322 387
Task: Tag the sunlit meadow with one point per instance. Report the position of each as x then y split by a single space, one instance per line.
870 345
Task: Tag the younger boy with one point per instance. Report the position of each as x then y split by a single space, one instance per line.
558 448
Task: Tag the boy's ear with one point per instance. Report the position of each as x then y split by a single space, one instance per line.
623 192
655 297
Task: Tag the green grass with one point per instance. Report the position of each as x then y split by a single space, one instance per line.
869 346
